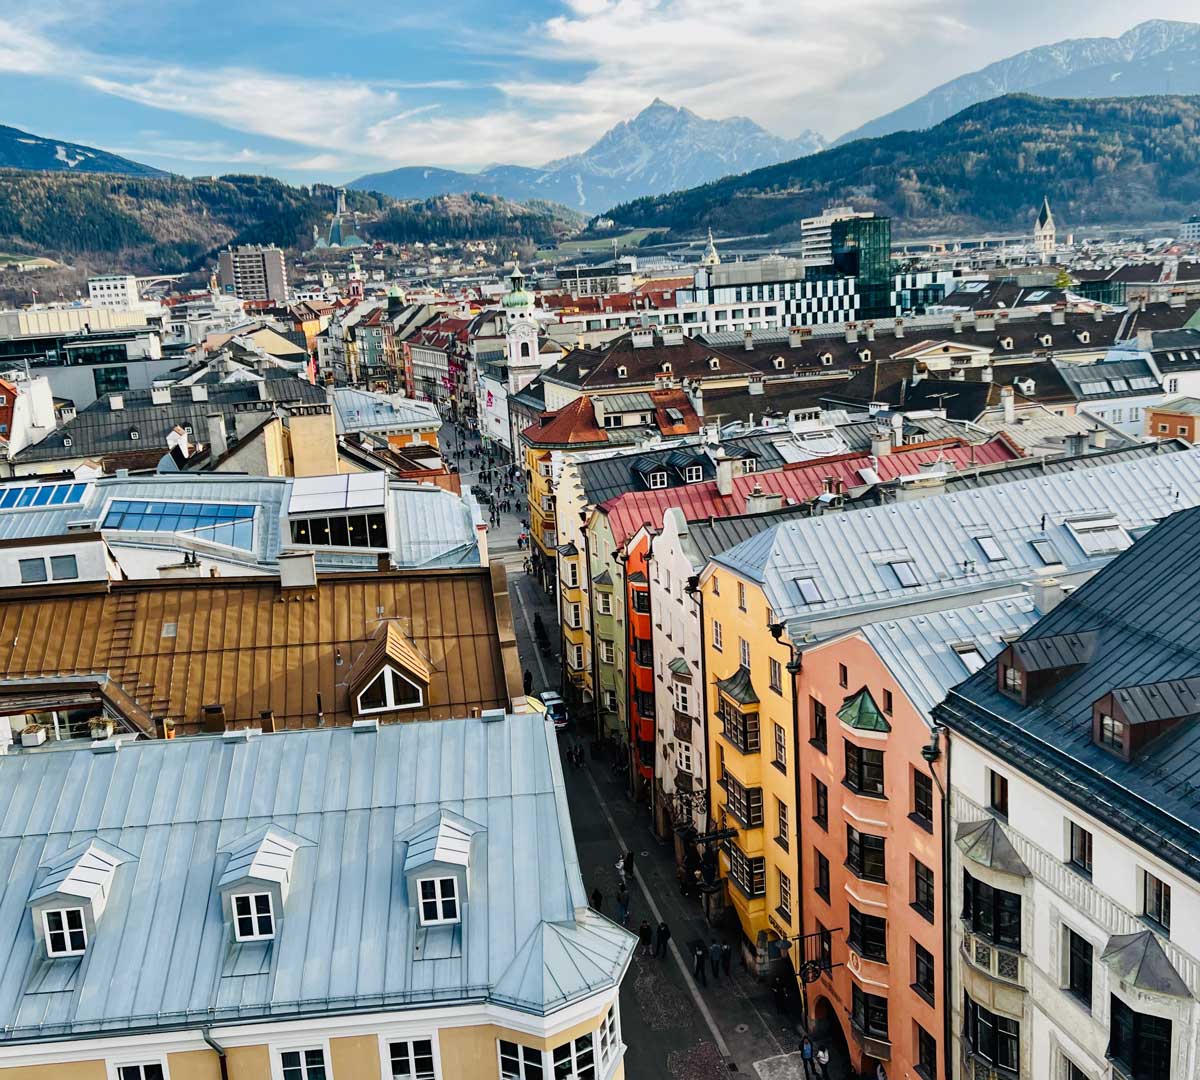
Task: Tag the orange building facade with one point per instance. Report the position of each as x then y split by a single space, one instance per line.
640 643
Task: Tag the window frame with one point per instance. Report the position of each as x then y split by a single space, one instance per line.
783 824
254 915
869 1002
440 899
113 1067
924 964
1073 944
1075 830
409 1036
61 560
543 1070
780 758
291 1046
23 564
775 675
1135 1034
1162 903
390 704
821 874
867 935
820 794
868 765
922 782
927 911
998 793
818 724
66 932
858 867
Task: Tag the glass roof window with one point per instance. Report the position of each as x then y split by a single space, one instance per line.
230 524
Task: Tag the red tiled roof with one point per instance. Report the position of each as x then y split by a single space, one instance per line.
573 423
799 482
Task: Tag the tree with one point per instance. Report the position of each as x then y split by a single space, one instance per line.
1063 280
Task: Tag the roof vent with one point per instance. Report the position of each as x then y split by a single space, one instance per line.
490 716
366 724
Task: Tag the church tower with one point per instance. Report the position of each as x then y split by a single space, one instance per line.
1044 232
521 333
710 257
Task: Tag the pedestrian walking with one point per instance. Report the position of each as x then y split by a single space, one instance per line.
528 682
714 958
806 1056
823 1061
628 861
623 905
726 957
645 938
597 898
661 939
620 866
780 991
698 962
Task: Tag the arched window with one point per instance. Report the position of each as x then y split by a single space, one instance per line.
524 350
389 690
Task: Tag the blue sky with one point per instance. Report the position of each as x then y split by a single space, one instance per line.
330 90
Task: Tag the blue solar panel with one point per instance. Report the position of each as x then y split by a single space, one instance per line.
218 523
24 496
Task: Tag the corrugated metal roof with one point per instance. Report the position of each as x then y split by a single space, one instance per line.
852 555
362 410
348 936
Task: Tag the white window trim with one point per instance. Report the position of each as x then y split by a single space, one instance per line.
68 951
440 898
278 1049
254 916
617 1046
684 762
419 703
657 480
391 1035
113 1067
547 1066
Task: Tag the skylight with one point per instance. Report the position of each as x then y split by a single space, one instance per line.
1100 536
989 547
970 655
21 497
219 523
810 591
1046 551
906 573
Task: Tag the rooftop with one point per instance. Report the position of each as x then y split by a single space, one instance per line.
348 802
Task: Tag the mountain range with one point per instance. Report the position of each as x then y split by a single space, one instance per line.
663 148
1155 57
21 150
1108 160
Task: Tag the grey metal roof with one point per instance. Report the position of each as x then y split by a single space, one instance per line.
1057 651
986 843
739 687
1048 465
362 410
1172 699
851 555
1139 960
1105 379
1141 607
347 937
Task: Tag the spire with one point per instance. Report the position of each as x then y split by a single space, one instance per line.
710 258
1045 218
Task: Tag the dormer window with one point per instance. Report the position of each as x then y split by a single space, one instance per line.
66 934
714 364
864 355
133 434
693 474
779 363
622 371
666 368
253 917
658 480
1110 733
1047 340
439 900
67 440
388 691
1006 343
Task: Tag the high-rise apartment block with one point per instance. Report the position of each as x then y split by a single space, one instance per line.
113 291
253 273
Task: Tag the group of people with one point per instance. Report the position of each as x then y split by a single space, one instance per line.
816 1060
719 956
652 942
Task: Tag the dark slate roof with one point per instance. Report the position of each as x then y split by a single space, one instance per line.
1172 699
1108 379
99 430
1139 960
720 534
986 843
1056 651
860 711
1141 608
739 687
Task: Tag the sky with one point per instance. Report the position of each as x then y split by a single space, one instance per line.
331 90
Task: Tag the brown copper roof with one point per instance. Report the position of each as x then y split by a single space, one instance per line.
175 646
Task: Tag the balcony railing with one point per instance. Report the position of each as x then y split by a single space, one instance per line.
998 962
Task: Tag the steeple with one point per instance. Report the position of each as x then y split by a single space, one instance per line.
1044 233
710 258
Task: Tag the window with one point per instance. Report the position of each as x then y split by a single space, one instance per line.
231 524
923 976
821 876
610 1036
989 547
906 573
864 855
1079 965
1013 680
1047 552
412 1059
994 1038
716 635
353 530
820 804
1140 1044
820 724
658 480
1112 733
253 919
303 1064
682 697
32 570
519 1062
868 935
780 760
776 675
926 1054
716 583
572 574
781 815
785 897
439 900
745 804
576 660
65 932
864 770
998 793
971 657
1081 849
610 700
744 652
150 1071
604 602
607 653
1071 1071
693 474
641 601
741 729
741 596
888 702
992 913
1156 901
389 690
63 567
843 676
810 591
923 891
1099 536
749 874
869 1013
685 758
922 811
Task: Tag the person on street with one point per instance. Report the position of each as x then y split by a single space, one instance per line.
823 1061
661 939
528 682
622 905
620 867
714 958
628 861
780 991
645 938
597 898
698 962
806 1056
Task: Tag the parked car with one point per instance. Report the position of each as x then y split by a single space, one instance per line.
556 709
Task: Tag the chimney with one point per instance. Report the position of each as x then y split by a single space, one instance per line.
164 728
1058 315
1176 299
297 570
1099 439
798 335
1046 594
214 718
1145 340
724 473
759 501
1009 402
754 385
957 323
851 333
869 329
218 438
199 392
160 395
748 340
899 330
116 402
881 442
897 429
266 721
985 321
383 562
1097 314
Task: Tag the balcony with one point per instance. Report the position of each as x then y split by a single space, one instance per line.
994 960
974 1068
880 1049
